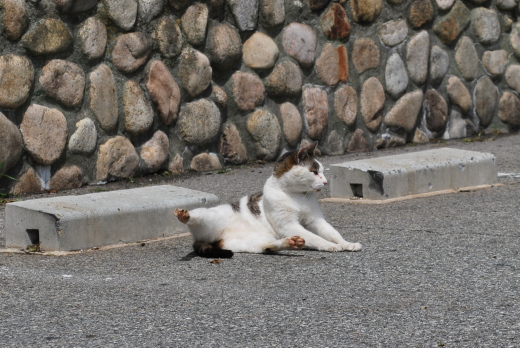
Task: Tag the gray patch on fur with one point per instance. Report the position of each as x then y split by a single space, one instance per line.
236 206
252 203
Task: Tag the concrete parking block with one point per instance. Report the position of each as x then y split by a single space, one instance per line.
414 173
98 219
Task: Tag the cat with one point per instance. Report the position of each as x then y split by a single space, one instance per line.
285 216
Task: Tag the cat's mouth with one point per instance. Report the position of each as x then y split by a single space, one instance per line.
317 188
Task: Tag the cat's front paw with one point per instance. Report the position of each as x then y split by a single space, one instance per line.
351 246
183 215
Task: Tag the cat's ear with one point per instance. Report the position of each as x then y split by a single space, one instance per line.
305 152
311 149
301 154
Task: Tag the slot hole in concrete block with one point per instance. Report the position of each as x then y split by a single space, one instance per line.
34 235
357 190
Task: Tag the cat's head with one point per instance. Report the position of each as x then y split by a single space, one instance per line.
300 171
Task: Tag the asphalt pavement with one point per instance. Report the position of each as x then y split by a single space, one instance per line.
441 271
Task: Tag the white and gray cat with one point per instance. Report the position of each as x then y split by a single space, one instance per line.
286 215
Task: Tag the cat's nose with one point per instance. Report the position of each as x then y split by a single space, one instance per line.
323 179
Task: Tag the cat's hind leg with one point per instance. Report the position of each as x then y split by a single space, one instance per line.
260 245
294 242
206 224
215 217
206 247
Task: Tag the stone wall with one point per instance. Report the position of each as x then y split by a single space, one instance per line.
93 91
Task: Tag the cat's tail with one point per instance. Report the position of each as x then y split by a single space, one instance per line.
213 250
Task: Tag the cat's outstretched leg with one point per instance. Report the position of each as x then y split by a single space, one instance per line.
348 246
322 228
312 240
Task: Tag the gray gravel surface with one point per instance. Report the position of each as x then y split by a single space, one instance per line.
436 271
